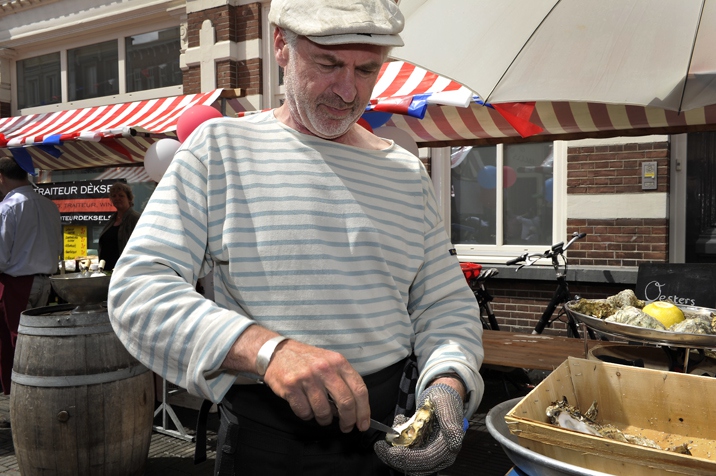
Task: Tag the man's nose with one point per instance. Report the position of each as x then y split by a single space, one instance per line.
345 85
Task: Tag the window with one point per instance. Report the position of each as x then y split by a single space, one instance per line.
93 71
502 195
148 63
38 81
153 60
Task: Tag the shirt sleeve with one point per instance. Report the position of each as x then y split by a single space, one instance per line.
445 313
7 237
153 305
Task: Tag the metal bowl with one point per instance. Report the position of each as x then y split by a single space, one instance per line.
81 290
530 462
650 336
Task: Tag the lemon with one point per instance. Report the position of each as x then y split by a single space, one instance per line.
664 312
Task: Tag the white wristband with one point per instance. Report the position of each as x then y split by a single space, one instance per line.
265 353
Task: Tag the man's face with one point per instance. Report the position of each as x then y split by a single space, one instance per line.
328 87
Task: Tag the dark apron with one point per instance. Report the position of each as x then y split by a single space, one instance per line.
14 294
259 434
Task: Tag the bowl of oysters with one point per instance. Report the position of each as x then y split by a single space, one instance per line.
659 322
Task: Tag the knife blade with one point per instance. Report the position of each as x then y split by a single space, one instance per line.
376 425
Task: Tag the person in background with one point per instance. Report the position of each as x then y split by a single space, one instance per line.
331 268
30 248
119 228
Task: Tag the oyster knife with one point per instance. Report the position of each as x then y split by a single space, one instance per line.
376 425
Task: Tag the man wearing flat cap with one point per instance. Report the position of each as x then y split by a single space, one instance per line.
332 269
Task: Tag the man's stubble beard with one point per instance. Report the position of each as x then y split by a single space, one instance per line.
307 113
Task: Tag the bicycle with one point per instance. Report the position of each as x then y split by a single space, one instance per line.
476 276
561 294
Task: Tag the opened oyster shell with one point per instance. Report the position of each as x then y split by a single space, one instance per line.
417 429
564 415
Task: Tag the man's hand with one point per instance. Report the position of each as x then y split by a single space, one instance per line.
443 445
306 376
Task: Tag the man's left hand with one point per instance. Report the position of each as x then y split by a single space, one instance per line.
444 444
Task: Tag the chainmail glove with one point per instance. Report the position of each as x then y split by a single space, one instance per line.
441 447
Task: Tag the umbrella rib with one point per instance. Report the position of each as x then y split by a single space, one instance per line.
487 99
691 56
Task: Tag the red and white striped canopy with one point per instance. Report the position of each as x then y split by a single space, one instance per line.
97 136
452 115
445 124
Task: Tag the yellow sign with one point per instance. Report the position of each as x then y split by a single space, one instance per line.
75 238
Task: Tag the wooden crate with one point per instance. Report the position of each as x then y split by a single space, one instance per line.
667 407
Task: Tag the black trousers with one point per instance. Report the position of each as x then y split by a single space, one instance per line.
260 435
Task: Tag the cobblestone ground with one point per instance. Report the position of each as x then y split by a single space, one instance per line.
172 456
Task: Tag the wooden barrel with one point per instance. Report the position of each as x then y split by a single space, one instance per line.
79 403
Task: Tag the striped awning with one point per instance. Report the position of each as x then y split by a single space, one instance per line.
475 123
114 134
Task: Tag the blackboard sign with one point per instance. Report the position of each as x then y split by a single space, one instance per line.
688 284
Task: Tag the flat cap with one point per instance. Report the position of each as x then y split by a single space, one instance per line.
338 22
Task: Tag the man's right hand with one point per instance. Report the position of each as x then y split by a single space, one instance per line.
306 376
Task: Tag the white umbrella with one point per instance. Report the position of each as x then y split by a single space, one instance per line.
642 52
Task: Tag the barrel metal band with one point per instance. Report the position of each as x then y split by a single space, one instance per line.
77 380
64 331
65 320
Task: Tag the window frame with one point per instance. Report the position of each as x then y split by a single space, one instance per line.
500 253
117 35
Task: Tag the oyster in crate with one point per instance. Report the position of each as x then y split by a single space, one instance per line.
567 416
417 429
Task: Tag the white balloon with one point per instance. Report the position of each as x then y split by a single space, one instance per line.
399 136
158 157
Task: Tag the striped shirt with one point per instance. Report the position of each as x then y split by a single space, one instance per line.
331 245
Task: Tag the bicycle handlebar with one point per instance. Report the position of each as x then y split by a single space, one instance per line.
517 260
556 250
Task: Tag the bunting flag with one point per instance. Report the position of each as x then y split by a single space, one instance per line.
23 159
518 115
403 88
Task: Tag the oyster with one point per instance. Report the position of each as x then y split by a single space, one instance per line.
599 308
564 415
692 326
625 298
635 317
417 429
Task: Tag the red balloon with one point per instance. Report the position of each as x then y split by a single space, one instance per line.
509 176
192 117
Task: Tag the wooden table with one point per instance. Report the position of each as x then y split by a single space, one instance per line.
532 351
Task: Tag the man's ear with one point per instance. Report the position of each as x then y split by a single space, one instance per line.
280 48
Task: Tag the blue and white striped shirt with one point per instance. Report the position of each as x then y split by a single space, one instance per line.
331 245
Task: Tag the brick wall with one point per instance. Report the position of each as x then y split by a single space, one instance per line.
246 22
191 80
240 74
231 23
615 168
619 242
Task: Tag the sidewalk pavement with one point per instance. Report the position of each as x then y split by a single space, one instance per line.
172 456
